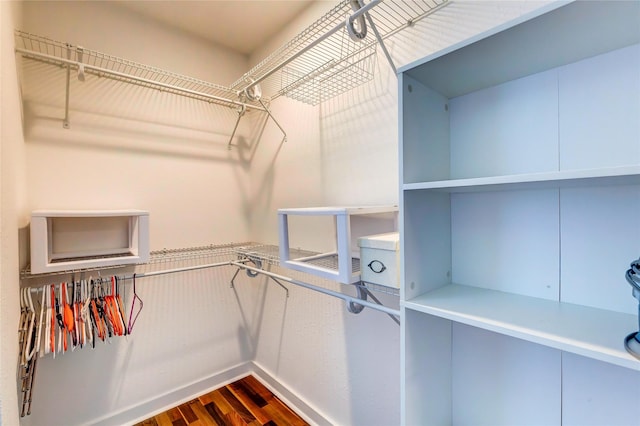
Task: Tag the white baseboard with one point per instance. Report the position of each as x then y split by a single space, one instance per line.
149 408
299 405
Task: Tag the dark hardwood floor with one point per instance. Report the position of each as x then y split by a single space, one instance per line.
244 402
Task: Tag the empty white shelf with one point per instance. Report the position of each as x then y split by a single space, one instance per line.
590 332
64 240
624 175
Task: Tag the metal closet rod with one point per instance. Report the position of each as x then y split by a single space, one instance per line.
240 264
322 290
188 92
156 273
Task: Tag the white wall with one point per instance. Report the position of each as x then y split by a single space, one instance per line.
344 152
11 201
135 147
130 147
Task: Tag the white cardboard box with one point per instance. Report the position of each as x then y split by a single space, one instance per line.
380 259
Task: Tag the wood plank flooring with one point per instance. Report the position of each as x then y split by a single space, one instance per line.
244 402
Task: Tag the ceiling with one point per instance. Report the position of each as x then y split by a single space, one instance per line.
241 25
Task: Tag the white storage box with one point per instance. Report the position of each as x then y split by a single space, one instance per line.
380 259
64 240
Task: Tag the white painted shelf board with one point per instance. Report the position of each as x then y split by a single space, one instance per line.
570 32
329 211
590 332
89 213
625 175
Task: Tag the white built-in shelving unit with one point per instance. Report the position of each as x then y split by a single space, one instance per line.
520 194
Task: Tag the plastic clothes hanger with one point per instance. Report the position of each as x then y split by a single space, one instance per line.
77 305
52 323
120 308
62 332
70 315
29 361
95 313
59 318
103 309
112 310
31 318
77 308
22 328
69 320
133 304
85 314
42 323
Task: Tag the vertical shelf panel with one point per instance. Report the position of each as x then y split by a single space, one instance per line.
507 129
499 380
599 238
507 241
425 133
606 116
426 263
595 393
427 355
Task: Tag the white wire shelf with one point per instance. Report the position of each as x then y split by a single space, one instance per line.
323 61
267 254
156 257
264 253
381 288
79 59
319 63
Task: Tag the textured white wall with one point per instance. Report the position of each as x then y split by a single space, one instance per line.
11 201
131 147
344 152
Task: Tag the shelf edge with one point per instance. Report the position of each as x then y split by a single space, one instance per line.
565 343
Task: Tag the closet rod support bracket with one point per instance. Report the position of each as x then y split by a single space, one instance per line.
241 110
286 290
356 308
232 282
65 121
252 273
395 318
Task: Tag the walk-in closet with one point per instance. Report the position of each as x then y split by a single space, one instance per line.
354 212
